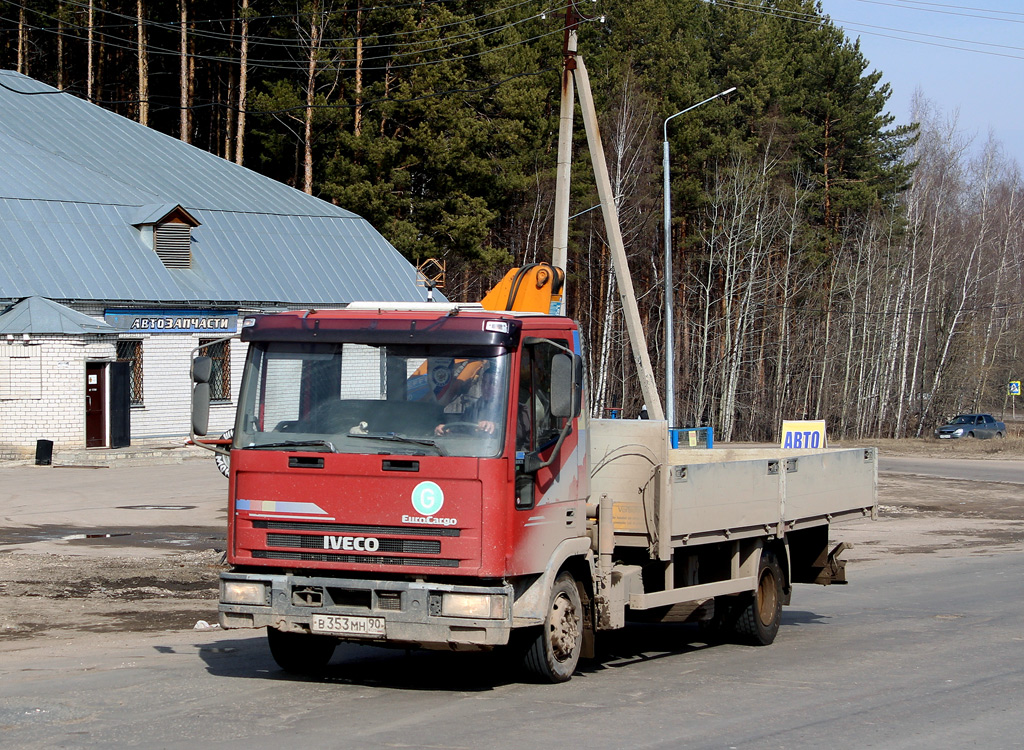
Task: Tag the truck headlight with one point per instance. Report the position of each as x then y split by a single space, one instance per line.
481 606
244 592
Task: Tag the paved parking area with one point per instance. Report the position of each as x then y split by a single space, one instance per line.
150 508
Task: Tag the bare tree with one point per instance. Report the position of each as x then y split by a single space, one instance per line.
357 116
90 26
243 83
22 42
143 56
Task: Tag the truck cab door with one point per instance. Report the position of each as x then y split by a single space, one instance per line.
541 430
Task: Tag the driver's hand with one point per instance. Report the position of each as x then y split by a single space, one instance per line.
485 426
441 429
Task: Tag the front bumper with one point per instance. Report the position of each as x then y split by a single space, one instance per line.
412 610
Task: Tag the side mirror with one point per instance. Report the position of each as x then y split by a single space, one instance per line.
202 369
201 408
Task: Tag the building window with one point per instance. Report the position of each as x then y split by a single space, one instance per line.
21 373
220 379
131 352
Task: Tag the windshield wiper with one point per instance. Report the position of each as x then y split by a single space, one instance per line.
396 438
298 444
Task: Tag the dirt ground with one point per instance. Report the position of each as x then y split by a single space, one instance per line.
106 589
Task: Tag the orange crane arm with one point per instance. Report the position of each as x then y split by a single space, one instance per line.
527 289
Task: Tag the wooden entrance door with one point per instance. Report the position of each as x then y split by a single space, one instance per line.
95 405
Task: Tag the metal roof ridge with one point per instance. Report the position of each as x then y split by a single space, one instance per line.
414 306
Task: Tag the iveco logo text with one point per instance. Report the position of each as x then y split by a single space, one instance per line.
357 543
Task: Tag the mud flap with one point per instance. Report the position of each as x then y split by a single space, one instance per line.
588 650
831 568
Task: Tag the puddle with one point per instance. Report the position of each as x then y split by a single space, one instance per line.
69 537
184 538
156 507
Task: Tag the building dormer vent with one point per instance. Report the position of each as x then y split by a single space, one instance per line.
167 229
173 244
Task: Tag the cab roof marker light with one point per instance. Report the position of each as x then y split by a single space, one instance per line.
248 322
496 326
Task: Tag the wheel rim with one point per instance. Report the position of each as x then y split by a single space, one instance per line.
767 598
564 628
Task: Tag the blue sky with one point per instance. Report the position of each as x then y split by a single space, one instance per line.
965 55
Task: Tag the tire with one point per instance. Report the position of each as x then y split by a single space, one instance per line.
722 624
553 653
300 653
1000 436
970 434
761 614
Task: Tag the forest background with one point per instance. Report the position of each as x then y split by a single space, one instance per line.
828 263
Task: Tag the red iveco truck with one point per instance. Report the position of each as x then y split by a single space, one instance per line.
427 476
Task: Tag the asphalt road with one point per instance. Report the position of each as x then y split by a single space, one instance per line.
918 651
921 654
977 470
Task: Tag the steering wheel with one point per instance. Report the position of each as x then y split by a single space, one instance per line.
462 427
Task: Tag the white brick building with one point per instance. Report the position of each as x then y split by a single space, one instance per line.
142 248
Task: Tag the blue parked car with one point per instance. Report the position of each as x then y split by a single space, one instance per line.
972 425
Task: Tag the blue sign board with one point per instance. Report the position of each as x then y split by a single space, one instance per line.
173 321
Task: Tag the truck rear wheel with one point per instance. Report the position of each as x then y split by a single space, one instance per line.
300 653
761 614
554 652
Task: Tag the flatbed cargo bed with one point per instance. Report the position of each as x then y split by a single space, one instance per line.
665 497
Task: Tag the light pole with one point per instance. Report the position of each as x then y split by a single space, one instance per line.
670 401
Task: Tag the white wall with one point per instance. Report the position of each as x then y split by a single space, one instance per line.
44 397
42 389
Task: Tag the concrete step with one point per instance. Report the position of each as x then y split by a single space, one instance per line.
153 453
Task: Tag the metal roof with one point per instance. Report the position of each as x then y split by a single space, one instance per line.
38 315
75 179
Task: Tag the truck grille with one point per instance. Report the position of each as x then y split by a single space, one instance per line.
309 541
347 528
426 562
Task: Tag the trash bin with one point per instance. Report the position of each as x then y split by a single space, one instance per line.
44 452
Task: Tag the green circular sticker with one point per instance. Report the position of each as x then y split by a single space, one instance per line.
427 498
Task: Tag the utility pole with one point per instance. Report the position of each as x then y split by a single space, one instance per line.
576 71
563 171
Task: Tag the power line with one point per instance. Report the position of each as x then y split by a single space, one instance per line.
117 42
285 43
912 5
816 20
28 93
155 103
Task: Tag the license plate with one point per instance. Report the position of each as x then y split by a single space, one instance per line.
346 625
945 437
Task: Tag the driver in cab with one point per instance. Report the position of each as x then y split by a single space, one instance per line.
484 411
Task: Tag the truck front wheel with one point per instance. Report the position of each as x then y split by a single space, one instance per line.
300 653
761 613
553 654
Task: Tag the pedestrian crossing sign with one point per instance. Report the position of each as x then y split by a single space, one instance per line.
1014 388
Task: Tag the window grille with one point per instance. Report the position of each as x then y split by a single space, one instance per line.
131 352
220 378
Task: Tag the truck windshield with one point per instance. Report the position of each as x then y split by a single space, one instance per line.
362 398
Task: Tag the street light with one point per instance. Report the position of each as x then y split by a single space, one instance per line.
670 401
